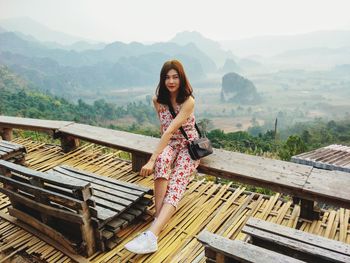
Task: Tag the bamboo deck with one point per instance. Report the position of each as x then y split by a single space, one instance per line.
218 208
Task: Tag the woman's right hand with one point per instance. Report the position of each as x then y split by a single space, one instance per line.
147 169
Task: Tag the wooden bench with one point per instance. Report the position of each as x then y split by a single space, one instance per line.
12 152
47 202
331 157
307 184
222 250
117 204
296 243
80 210
7 124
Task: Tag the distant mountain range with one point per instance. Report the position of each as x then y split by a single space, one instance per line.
117 65
39 31
273 45
63 64
212 48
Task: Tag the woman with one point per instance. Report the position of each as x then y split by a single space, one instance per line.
170 162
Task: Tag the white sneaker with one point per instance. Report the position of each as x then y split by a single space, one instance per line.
143 244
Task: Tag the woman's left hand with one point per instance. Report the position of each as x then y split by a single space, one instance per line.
147 169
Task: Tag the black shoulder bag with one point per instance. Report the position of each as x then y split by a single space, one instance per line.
198 148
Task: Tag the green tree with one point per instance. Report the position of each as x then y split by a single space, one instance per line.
293 146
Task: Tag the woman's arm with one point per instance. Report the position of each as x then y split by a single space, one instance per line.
156 107
185 112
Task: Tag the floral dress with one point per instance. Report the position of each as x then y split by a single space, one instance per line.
175 163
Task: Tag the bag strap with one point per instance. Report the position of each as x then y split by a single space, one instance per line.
181 128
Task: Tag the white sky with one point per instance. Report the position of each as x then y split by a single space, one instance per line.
160 20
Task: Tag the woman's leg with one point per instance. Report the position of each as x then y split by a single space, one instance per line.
160 187
165 214
184 166
162 172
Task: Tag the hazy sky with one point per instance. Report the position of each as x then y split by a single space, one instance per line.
160 20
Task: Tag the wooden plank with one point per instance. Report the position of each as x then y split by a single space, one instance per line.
107 190
5 150
104 214
59 213
107 234
254 170
110 244
3 153
112 198
32 124
329 186
107 204
98 181
52 196
115 223
12 145
286 245
75 257
241 251
115 139
107 179
64 181
115 193
307 238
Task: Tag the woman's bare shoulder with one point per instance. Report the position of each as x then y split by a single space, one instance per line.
189 102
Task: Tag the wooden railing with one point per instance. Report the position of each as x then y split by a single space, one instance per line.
301 181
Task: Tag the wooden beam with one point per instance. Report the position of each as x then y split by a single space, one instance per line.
300 244
65 215
69 143
139 160
38 191
241 251
49 126
57 179
6 134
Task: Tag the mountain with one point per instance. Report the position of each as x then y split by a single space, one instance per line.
10 42
10 81
118 65
317 58
31 27
273 45
238 89
206 45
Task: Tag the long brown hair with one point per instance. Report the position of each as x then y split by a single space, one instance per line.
185 89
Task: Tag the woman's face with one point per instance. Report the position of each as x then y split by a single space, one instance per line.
172 81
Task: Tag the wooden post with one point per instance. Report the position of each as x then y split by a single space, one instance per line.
87 231
6 172
6 134
307 210
86 228
44 200
69 143
138 161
